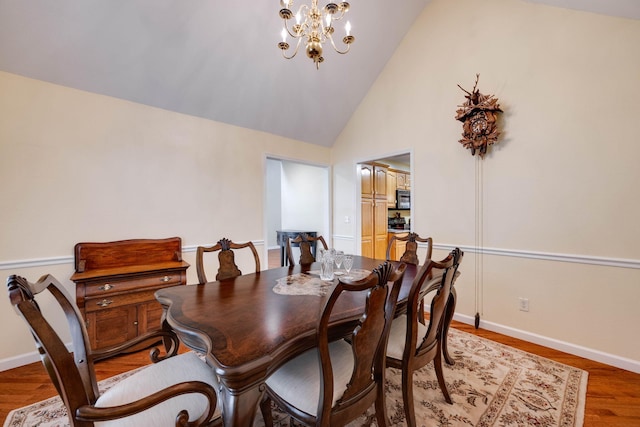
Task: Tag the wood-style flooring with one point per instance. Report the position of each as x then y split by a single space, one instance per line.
613 395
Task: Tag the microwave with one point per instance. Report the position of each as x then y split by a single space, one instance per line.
403 199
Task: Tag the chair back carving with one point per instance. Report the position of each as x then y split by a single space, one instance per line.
438 304
350 356
422 344
226 258
305 241
73 372
369 344
410 255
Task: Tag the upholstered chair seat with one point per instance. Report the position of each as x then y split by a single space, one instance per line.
298 381
397 336
154 378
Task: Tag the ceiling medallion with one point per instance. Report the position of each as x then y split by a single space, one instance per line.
478 115
315 26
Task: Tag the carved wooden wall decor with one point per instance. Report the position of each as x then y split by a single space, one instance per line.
478 115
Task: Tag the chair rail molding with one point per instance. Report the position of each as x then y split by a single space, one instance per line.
517 253
43 262
547 256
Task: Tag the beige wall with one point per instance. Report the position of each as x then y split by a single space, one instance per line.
561 185
76 166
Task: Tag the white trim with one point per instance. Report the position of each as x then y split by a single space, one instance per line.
194 248
44 262
548 256
577 350
38 262
24 359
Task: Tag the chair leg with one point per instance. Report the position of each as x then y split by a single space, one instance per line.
407 397
437 362
449 311
265 409
381 407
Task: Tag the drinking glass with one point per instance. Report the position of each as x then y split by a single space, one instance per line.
348 263
338 259
326 266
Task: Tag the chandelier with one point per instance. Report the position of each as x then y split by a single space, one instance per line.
315 26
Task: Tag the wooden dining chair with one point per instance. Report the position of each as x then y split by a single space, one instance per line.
227 266
412 344
305 242
410 255
337 381
170 392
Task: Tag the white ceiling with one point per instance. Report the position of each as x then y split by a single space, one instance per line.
214 59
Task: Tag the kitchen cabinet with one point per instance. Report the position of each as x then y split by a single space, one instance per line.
403 181
398 247
373 184
396 180
392 185
116 282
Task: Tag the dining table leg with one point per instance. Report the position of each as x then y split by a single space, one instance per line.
239 409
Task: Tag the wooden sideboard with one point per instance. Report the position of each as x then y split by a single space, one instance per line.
116 282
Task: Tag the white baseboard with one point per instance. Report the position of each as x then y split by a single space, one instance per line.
587 353
24 359
577 350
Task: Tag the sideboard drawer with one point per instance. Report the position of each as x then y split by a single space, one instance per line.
107 287
112 301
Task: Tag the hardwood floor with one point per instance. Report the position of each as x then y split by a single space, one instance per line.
613 395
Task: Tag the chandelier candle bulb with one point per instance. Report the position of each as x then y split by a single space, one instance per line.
347 28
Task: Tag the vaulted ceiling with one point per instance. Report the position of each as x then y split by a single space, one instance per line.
214 59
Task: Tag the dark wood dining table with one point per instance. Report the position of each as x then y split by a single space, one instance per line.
246 330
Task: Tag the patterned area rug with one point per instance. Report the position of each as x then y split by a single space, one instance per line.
491 385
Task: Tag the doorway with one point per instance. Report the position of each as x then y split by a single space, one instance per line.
297 197
381 214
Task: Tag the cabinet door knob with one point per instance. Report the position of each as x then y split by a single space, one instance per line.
105 287
104 303
165 279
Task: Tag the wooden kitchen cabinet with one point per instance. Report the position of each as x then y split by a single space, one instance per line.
398 247
404 181
116 282
396 180
373 184
392 185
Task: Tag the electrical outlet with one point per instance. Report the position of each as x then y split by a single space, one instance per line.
523 304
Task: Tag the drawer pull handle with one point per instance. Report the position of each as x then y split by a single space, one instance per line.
165 279
104 303
106 287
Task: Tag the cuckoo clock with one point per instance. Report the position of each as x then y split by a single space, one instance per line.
478 115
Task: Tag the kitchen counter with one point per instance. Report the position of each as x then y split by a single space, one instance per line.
398 230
